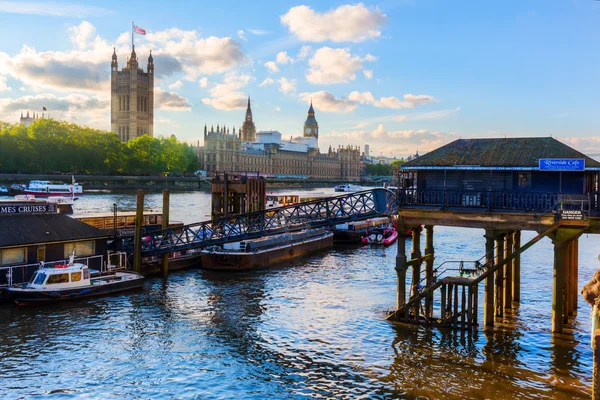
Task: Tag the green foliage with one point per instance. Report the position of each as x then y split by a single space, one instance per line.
49 146
396 164
379 169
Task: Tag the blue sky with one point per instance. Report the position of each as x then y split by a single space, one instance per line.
399 75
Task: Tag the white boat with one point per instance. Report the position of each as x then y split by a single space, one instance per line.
3 191
68 282
348 187
282 199
53 188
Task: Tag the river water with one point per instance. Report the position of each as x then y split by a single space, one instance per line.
312 328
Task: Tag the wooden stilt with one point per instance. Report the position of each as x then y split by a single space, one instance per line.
470 307
165 225
508 281
575 274
455 322
463 308
137 237
416 253
488 305
443 302
429 268
568 278
500 276
401 270
516 265
475 304
558 290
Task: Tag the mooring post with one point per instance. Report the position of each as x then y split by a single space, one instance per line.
558 290
575 274
508 284
488 305
165 225
500 240
137 237
401 270
568 298
429 250
414 254
516 266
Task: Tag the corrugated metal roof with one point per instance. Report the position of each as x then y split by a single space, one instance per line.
508 152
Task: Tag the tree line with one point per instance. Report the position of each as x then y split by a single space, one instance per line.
384 169
52 146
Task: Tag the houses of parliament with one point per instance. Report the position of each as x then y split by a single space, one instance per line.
132 115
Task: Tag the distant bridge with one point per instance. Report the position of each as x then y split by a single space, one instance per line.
318 213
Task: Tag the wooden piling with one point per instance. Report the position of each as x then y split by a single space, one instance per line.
516 268
558 290
500 275
165 225
575 274
488 305
568 298
443 302
429 250
137 237
401 270
414 254
508 281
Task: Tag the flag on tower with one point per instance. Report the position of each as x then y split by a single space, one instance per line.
138 30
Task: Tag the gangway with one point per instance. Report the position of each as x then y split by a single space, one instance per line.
318 213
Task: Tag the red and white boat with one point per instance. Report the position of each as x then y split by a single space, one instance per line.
53 188
384 236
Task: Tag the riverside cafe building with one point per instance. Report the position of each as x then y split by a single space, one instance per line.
537 174
31 233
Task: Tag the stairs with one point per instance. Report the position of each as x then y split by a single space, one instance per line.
456 296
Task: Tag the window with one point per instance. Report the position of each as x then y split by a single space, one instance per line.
58 278
82 249
75 276
524 180
13 256
41 253
86 274
39 278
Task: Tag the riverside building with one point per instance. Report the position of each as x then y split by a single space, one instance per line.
267 152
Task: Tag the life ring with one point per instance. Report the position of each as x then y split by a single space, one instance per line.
61 266
292 251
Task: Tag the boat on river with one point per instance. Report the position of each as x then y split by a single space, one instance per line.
53 188
283 199
3 191
69 282
348 187
378 236
353 232
260 252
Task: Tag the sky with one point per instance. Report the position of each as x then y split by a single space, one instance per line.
399 75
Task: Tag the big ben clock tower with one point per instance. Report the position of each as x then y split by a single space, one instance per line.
311 127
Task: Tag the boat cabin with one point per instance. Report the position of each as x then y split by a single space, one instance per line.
61 276
288 198
527 174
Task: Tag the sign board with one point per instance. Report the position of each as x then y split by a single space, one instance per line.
562 164
27 208
571 215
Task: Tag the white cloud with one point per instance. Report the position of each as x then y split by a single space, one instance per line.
3 85
329 66
587 145
325 101
226 95
164 121
410 100
431 115
176 85
304 52
266 82
347 23
203 82
368 73
165 100
258 32
78 108
277 109
241 34
271 66
54 9
283 58
286 86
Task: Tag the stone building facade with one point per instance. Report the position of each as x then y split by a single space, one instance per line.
226 150
132 98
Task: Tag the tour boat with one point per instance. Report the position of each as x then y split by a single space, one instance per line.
282 199
260 252
353 232
70 281
380 236
52 188
347 188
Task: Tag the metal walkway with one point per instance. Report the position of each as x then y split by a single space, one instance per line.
319 213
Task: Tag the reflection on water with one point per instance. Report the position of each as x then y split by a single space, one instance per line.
312 328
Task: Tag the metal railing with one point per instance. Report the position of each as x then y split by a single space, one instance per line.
499 200
16 274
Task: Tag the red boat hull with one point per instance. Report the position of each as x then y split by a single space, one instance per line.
51 194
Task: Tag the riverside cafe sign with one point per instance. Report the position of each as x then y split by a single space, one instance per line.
562 164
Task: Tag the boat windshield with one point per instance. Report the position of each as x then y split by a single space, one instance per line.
38 278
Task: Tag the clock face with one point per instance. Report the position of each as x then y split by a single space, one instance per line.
307 130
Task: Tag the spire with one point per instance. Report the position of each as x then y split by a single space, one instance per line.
133 55
311 110
150 58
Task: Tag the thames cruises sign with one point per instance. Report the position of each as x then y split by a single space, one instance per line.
27 208
562 164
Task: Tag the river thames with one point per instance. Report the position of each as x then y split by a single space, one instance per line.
312 328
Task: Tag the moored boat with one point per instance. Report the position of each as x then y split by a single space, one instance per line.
3 191
347 188
257 253
53 188
71 281
353 232
16 189
385 236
